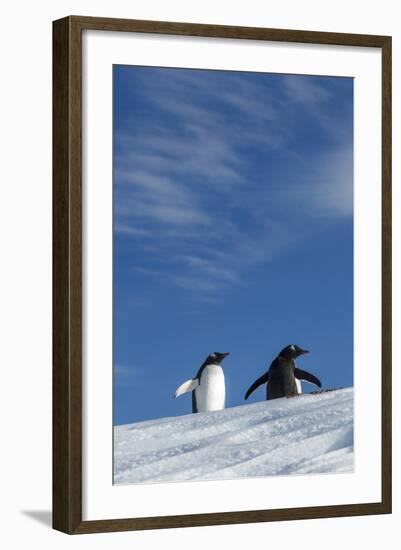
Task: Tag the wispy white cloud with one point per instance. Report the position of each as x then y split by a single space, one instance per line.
197 283
324 190
332 189
211 269
157 198
126 375
126 229
302 89
187 184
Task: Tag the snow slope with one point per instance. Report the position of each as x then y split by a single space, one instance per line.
302 435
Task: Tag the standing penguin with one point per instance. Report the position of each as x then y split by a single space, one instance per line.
208 386
283 376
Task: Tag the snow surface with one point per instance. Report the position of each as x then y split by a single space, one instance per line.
302 435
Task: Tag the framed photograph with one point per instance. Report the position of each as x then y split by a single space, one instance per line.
221 274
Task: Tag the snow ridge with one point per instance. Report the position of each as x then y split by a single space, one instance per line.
304 435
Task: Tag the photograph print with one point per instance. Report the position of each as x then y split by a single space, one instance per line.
232 274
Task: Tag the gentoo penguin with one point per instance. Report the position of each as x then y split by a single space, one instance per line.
208 387
281 378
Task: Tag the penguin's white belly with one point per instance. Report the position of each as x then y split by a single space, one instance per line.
211 392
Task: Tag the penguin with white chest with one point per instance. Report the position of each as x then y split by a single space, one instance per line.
208 386
283 377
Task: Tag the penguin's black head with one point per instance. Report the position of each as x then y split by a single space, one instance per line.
292 352
216 358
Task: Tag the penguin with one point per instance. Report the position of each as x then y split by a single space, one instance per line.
283 376
208 386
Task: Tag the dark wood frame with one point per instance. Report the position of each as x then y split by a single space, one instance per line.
67 274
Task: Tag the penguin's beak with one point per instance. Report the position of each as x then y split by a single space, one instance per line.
303 351
225 354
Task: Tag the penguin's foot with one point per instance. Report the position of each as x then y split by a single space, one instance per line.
324 391
294 394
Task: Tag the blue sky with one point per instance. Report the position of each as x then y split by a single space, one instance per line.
233 230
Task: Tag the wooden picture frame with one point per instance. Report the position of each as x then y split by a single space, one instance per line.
67 273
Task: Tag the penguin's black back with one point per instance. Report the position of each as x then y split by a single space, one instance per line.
281 378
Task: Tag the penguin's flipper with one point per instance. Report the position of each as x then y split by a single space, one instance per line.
262 380
304 375
189 385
